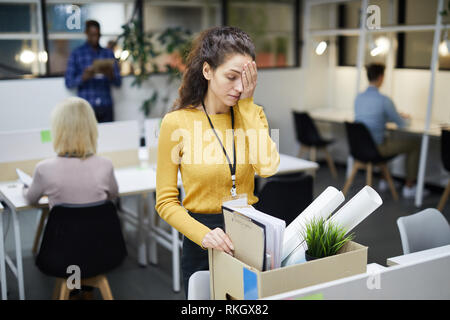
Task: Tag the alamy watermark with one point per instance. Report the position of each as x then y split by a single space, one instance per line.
374 281
73 22
198 146
373 21
74 280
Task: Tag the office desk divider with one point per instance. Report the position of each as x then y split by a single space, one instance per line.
232 279
117 141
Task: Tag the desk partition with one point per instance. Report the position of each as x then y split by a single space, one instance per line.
424 279
117 141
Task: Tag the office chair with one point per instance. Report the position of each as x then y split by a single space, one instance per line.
286 197
87 236
310 139
365 153
445 155
199 286
424 230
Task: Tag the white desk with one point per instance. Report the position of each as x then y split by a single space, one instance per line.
419 256
415 126
290 164
131 181
2 257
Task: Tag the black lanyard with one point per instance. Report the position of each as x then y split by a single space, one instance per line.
232 166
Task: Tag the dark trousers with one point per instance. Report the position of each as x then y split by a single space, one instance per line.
194 258
104 113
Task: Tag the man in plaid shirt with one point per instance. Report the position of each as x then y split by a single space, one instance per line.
80 74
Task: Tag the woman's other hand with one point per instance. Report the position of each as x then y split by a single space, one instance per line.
217 239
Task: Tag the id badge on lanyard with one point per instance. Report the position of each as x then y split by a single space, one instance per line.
234 199
239 200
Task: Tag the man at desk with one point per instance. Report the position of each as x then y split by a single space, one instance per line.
92 69
374 110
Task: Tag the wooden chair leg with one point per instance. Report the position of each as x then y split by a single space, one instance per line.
40 227
348 183
444 198
369 174
387 175
105 289
303 150
330 163
100 282
61 292
312 154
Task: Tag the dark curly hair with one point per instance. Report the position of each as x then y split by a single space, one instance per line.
212 46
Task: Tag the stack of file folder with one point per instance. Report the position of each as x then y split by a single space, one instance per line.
257 237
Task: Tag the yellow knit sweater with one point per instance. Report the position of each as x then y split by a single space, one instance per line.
187 143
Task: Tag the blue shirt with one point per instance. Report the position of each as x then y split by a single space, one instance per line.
95 90
375 109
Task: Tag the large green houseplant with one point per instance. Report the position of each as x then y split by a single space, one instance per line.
324 238
148 50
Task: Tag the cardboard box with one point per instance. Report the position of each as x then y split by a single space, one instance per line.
233 279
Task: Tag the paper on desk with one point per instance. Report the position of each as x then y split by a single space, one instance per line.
322 207
24 178
366 201
274 231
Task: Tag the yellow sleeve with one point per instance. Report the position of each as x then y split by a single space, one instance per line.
263 151
167 203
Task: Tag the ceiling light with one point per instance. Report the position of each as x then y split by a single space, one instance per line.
321 48
27 56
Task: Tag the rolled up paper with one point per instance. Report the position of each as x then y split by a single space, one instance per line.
358 208
322 207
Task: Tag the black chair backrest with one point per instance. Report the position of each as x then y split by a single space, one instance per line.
445 149
306 130
89 237
286 197
362 146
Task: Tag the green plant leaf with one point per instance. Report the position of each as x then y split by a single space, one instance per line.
324 238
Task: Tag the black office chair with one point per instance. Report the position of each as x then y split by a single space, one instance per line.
310 139
365 153
445 155
286 197
86 236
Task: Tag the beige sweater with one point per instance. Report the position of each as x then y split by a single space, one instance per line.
73 180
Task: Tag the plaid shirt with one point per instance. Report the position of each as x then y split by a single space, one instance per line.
97 89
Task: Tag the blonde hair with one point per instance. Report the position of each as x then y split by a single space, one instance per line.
74 128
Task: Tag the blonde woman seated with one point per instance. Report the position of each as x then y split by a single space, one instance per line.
76 175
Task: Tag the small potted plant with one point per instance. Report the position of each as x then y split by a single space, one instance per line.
324 238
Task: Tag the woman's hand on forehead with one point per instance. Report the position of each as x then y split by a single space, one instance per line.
249 79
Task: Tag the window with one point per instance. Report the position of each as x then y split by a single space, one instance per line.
273 27
192 16
37 36
414 48
65 33
21 43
